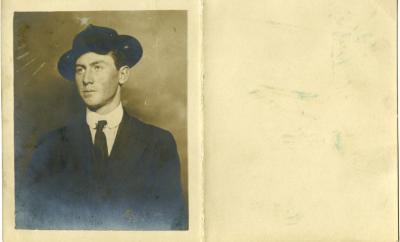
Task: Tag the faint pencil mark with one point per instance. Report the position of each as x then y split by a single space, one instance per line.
22 56
39 68
293 219
254 91
338 142
288 139
332 57
342 62
286 25
27 64
21 46
281 24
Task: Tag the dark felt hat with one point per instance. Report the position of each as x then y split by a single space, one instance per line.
100 40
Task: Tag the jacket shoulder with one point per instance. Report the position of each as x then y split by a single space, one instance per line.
52 137
149 131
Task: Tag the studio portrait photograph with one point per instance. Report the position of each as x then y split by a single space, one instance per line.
100 120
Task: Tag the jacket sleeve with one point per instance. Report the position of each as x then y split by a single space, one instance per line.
167 182
29 194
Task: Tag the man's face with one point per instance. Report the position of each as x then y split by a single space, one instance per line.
97 80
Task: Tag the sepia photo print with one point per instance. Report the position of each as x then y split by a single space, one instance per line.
100 120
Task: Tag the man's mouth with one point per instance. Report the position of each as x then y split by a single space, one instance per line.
88 93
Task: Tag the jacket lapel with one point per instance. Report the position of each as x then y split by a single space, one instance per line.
129 145
129 142
80 143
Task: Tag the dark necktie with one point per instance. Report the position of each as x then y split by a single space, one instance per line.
100 148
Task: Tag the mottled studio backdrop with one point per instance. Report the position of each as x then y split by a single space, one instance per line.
155 93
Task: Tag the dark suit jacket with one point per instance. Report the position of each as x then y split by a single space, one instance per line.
140 190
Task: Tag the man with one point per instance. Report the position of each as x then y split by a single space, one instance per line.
106 169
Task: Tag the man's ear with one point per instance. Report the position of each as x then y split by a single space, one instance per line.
123 74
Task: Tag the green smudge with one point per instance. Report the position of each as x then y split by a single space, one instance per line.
338 142
305 95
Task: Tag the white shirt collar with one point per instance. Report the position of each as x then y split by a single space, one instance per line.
113 118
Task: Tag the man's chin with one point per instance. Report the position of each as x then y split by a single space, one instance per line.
93 106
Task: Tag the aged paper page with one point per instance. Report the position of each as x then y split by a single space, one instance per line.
165 92
300 120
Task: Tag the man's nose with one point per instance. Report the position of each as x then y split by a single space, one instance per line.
87 78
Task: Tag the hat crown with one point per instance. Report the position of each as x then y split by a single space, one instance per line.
95 38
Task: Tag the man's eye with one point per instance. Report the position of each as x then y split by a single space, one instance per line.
97 67
79 70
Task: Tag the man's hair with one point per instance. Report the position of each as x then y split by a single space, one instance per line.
119 58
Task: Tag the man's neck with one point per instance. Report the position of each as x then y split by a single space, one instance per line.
113 118
106 109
